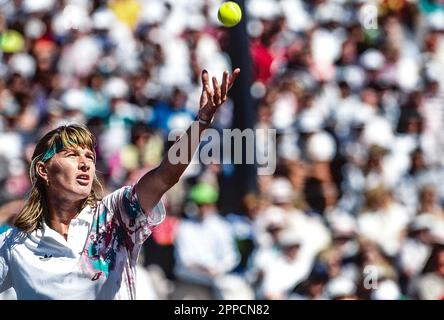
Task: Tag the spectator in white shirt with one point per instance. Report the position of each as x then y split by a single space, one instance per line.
416 249
383 220
290 266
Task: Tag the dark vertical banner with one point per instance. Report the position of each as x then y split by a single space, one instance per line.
242 177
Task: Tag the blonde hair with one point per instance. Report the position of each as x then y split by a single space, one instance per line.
35 209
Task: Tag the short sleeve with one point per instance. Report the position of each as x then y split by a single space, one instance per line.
126 211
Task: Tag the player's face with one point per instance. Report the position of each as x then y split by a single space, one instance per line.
71 173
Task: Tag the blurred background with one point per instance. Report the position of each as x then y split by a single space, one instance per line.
354 209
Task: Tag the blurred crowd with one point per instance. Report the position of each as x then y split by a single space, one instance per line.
354 209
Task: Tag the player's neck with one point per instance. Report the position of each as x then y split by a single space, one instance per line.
60 214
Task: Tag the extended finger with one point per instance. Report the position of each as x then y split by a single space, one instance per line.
233 77
205 79
224 86
217 91
209 93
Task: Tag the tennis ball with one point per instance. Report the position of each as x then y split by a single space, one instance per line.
229 14
11 41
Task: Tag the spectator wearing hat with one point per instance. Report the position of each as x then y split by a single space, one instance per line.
416 248
313 288
344 234
341 288
311 228
290 266
339 259
267 246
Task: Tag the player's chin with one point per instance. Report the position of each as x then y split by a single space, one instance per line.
83 191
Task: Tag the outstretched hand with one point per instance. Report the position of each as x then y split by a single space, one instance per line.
212 99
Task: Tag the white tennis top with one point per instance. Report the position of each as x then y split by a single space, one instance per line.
97 261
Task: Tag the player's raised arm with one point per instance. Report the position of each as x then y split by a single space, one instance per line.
156 182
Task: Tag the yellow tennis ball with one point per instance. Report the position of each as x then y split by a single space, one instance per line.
229 14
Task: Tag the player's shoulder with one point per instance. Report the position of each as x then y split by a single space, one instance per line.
6 231
121 192
8 234
115 197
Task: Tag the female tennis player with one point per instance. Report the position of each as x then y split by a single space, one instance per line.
67 243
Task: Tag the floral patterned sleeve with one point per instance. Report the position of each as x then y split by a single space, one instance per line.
129 216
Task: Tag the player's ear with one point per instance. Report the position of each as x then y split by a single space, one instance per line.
41 169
